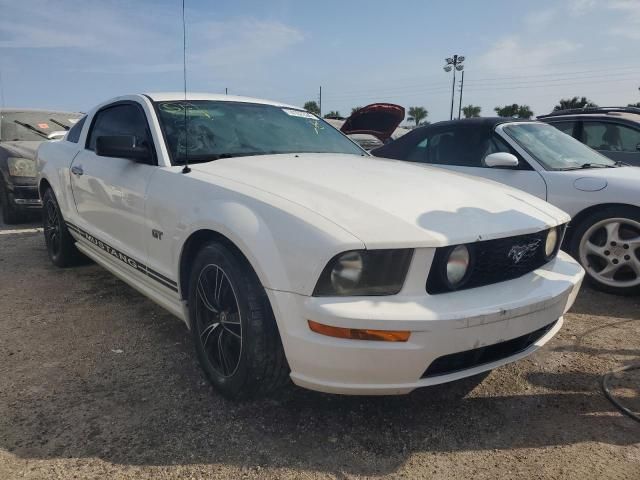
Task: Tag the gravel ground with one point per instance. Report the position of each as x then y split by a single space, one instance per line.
98 382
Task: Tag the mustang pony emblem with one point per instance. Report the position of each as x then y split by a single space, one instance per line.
518 252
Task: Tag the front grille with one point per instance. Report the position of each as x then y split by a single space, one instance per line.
456 362
493 261
28 192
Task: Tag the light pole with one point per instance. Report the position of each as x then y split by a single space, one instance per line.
460 97
454 64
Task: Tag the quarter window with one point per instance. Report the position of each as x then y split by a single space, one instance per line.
610 137
124 119
74 132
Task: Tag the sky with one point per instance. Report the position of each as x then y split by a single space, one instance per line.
72 54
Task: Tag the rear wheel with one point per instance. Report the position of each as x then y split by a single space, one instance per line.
234 331
607 245
60 244
10 214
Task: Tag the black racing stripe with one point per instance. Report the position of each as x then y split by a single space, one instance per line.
160 276
123 257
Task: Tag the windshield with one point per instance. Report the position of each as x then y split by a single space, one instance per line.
28 126
219 129
553 149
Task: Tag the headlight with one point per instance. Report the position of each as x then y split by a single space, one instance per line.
458 265
551 242
364 272
22 167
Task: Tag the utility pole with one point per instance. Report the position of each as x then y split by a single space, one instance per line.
454 64
226 91
320 102
461 87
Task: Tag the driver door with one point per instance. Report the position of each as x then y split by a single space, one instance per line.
109 193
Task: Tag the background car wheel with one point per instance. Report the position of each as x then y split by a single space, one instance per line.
607 245
233 327
10 215
60 244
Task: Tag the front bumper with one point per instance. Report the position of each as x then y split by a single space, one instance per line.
25 196
441 325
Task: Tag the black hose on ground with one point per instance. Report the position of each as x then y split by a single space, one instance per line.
609 395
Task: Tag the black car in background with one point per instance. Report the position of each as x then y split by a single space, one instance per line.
21 132
612 131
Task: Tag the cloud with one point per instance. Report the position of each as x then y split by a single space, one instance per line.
540 18
627 15
239 42
127 40
510 54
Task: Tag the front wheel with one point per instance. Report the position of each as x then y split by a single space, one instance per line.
234 331
60 244
607 245
10 214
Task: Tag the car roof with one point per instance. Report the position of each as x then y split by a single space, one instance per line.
627 113
479 122
177 96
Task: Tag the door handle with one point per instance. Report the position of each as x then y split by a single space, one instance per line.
77 170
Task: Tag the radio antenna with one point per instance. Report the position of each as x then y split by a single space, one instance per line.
186 168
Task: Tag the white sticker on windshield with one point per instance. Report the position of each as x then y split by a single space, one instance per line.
298 113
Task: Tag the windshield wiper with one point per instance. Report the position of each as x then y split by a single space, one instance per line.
595 165
66 127
32 128
219 156
585 166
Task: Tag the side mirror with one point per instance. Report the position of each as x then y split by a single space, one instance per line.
501 159
57 135
122 146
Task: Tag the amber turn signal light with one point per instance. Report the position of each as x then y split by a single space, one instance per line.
359 334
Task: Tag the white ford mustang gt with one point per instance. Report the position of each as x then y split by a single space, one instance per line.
288 250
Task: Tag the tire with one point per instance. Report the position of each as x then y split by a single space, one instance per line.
10 214
60 244
607 245
233 328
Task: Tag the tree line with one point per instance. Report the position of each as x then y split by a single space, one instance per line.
418 115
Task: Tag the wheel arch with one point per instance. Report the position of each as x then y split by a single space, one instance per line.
579 217
43 186
192 246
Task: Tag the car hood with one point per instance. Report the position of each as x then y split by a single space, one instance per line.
389 203
21 149
377 119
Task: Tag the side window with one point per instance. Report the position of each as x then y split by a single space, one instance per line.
74 132
442 149
565 127
124 119
496 144
420 152
610 137
630 138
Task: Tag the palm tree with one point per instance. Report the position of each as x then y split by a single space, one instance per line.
514 111
575 102
417 114
312 107
355 109
634 105
471 111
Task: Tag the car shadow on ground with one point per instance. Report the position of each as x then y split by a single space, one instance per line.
96 370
